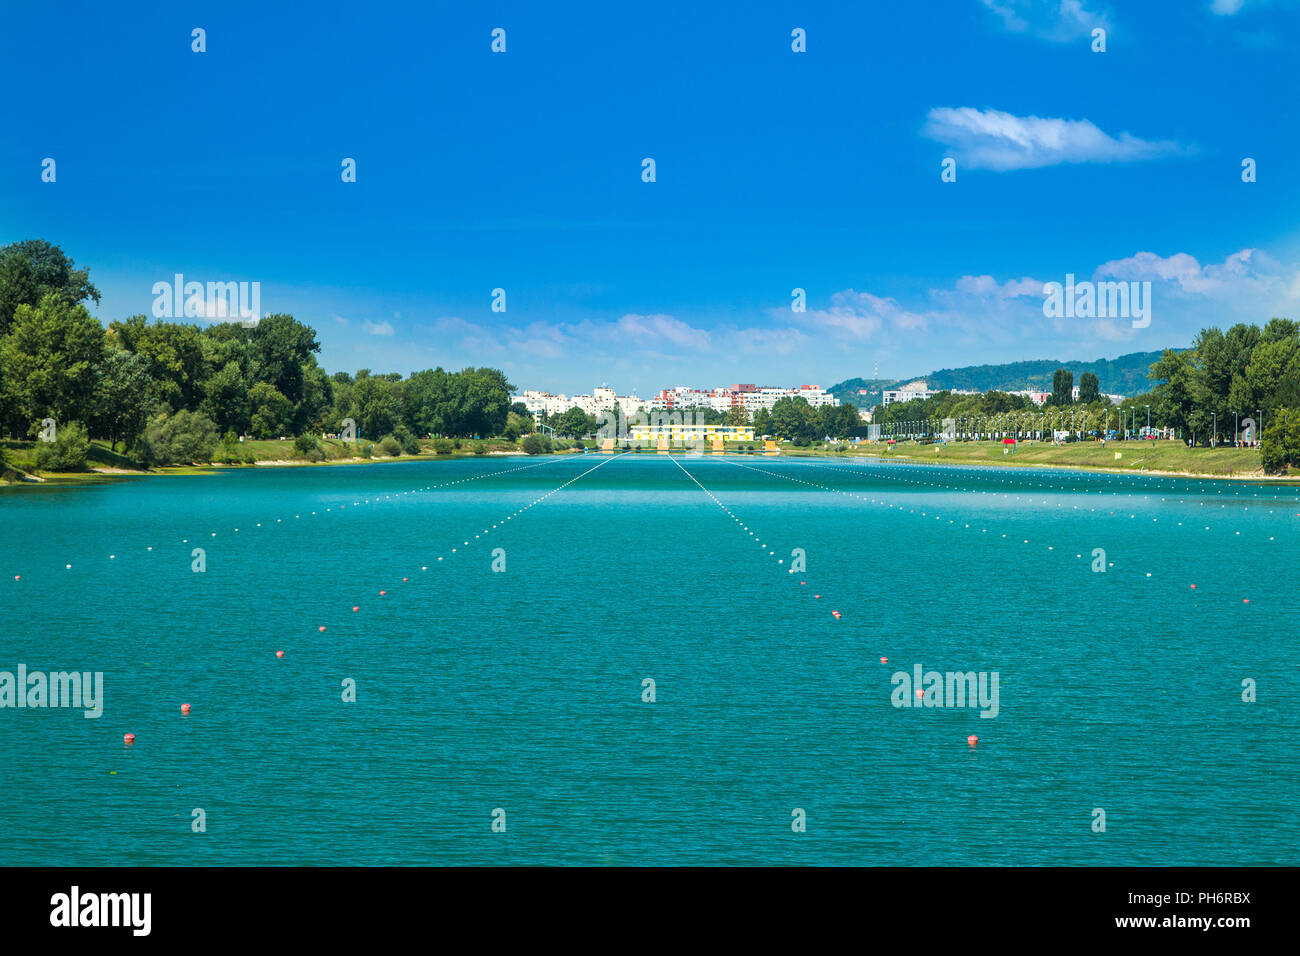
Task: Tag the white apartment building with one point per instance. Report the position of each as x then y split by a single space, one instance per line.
915 390
752 398
601 399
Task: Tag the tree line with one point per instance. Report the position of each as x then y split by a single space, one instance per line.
157 388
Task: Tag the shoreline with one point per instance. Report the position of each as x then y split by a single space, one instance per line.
109 473
104 474
1100 469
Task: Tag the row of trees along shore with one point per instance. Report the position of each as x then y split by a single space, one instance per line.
167 391
170 392
1202 393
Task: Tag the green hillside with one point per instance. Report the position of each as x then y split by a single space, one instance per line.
1125 375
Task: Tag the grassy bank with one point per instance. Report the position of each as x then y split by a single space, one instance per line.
1151 456
103 464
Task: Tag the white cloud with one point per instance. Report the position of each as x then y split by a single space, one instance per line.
1247 274
988 286
992 139
1058 21
861 316
663 329
377 328
1226 8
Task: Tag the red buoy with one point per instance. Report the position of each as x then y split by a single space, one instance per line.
128 738
382 593
884 660
279 653
322 627
972 740
185 708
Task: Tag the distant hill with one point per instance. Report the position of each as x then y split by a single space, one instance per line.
1126 375
863 392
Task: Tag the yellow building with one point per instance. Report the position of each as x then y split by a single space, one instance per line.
675 432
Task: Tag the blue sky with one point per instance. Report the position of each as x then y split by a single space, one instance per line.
775 170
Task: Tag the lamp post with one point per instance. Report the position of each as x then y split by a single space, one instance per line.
1236 437
1148 421
1259 414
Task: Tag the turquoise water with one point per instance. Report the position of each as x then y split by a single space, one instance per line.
521 689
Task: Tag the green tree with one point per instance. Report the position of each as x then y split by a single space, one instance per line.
517 425
793 420
225 398
51 358
122 397
1280 443
737 415
376 405
271 413
1089 388
1062 387
34 268
176 356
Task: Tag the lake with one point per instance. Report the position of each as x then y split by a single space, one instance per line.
523 689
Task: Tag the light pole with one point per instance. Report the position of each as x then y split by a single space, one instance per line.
1148 421
1259 414
1236 437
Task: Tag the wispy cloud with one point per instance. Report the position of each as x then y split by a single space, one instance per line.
992 139
1057 21
377 328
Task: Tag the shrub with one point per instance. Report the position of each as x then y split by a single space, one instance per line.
535 444
443 446
183 437
480 448
410 444
229 452
305 444
390 446
67 452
